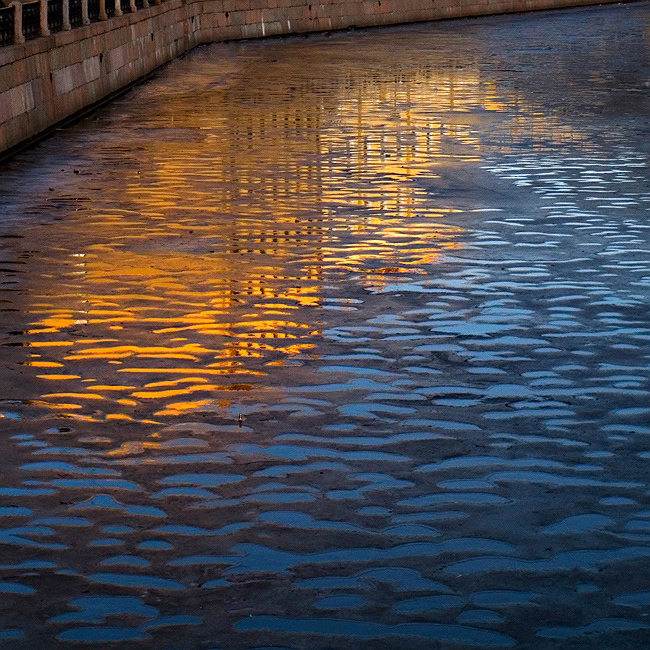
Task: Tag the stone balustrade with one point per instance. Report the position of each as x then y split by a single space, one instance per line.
20 21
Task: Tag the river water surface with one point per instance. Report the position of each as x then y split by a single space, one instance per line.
337 342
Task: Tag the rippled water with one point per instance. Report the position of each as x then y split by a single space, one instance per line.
337 342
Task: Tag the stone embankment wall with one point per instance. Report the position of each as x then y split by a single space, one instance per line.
52 76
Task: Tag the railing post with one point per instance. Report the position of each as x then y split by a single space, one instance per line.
118 8
133 7
85 20
19 37
45 30
102 10
66 15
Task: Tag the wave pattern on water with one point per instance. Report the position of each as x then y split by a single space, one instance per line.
335 342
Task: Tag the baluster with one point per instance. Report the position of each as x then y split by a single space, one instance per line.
85 20
102 10
45 30
66 15
19 37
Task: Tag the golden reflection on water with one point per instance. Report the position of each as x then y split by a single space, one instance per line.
197 267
